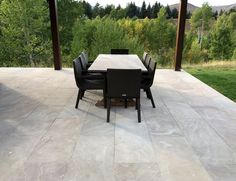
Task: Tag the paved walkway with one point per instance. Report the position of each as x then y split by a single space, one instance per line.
190 136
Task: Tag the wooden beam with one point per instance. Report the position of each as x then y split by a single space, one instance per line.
180 34
55 34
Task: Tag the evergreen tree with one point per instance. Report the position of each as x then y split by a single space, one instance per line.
96 10
108 9
174 13
155 10
143 11
188 15
149 11
221 12
131 10
168 12
87 9
215 15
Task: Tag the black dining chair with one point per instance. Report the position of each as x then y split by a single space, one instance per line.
147 61
83 61
85 70
120 51
86 81
147 80
86 59
124 84
145 54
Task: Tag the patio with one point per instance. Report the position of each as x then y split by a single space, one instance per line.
191 135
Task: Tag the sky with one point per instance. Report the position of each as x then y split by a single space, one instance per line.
163 2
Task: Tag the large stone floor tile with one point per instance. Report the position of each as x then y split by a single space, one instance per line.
89 170
132 140
177 160
137 172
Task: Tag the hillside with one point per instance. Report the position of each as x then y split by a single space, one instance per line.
224 8
192 7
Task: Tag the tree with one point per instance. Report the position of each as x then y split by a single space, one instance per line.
131 10
174 13
108 9
87 9
118 13
149 11
25 32
168 11
100 35
96 10
221 12
215 15
155 9
221 39
161 36
68 12
200 20
143 11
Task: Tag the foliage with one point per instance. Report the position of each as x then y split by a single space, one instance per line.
221 39
201 17
161 35
24 31
25 38
200 21
68 12
100 35
234 54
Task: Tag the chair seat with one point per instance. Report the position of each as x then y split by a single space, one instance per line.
92 84
146 82
92 75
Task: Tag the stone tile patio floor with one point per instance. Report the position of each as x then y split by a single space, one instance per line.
190 136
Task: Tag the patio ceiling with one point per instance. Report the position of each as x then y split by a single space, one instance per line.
56 42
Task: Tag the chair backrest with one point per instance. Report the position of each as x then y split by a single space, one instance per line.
119 51
152 69
123 83
77 70
83 62
85 56
144 56
147 61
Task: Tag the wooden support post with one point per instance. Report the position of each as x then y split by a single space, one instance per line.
180 34
55 34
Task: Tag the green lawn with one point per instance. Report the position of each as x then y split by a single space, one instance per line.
221 77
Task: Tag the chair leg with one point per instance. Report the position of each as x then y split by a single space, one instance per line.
147 93
82 94
104 99
136 104
150 94
78 98
139 112
125 102
108 109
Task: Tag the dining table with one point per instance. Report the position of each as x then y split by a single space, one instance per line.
116 61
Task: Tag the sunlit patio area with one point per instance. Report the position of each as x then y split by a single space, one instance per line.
189 136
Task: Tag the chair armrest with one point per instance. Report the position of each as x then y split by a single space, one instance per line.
93 76
146 75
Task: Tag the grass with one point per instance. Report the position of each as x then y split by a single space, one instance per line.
220 75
